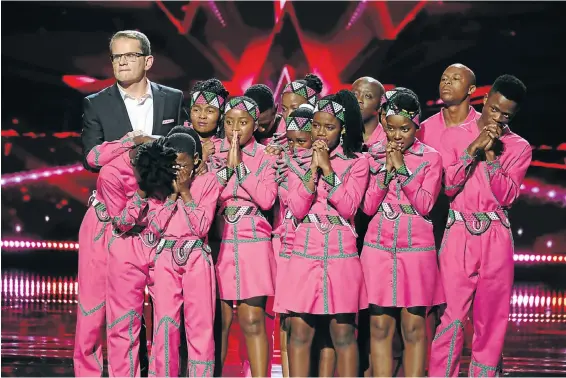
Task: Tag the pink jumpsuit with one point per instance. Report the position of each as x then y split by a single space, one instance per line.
399 256
476 255
245 267
184 275
93 236
129 259
327 275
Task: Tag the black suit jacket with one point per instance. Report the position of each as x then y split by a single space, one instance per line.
105 117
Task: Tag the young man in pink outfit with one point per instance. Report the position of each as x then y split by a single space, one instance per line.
485 164
93 237
457 84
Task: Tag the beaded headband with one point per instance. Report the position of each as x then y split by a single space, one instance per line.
391 108
207 98
299 124
302 90
242 104
333 108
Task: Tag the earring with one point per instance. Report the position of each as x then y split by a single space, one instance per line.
341 139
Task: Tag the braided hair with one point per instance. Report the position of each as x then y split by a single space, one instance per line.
353 123
154 165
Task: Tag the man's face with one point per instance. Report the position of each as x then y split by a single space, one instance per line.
455 85
369 96
129 68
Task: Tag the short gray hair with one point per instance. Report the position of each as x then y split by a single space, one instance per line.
133 34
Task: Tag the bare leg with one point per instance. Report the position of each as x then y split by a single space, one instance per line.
227 314
284 329
323 341
302 333
251 315
343 333
413 326
381 344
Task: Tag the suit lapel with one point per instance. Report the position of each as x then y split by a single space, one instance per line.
120 110
158 108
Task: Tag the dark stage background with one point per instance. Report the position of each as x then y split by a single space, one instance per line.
55 53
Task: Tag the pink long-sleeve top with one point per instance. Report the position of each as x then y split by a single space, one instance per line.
431 129
378 135
187 220
417 183
117 189
104 153
339 195
252 183
296 164
482 186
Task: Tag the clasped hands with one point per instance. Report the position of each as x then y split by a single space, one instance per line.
321 158
393 156
485 141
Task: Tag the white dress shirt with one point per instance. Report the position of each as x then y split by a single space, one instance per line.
140 110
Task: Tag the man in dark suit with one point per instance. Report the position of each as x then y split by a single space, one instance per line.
133 102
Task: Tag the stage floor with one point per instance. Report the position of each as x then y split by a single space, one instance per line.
39 311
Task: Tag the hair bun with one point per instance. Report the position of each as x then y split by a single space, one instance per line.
314 82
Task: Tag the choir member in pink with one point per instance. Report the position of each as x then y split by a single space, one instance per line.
368 91
327 280
297 92
267 135
457 85
93 234
208 99
129 259
184 270
484 166
296 158
399 256
245 267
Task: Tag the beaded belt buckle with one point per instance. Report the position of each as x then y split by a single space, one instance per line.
181 249
233 214
477 223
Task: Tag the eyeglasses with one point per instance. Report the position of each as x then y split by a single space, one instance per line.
130 57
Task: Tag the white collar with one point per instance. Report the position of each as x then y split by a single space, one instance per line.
148 92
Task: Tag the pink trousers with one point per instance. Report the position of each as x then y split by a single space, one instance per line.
189 282
476 270
91 311
129 266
